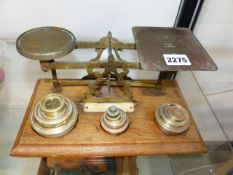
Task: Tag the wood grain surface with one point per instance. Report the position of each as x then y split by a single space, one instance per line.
87 139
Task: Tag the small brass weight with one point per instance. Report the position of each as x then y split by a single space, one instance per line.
114 121
54 116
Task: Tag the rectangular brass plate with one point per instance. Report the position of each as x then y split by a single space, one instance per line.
153 42
102 107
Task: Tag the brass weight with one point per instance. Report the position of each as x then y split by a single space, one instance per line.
114 121
54 116
172 118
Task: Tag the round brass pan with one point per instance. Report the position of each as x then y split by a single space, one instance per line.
46 43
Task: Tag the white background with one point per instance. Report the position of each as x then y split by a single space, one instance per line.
87 19
214 29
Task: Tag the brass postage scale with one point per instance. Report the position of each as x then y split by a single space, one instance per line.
119 116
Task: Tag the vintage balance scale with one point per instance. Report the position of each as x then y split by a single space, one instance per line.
76 123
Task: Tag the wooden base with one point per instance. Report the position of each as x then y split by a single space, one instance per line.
87 139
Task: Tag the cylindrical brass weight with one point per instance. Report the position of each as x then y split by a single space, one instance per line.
114 121
54 116
172 118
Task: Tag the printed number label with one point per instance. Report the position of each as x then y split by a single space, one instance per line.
176 59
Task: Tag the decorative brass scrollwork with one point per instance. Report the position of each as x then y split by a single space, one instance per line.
113 70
